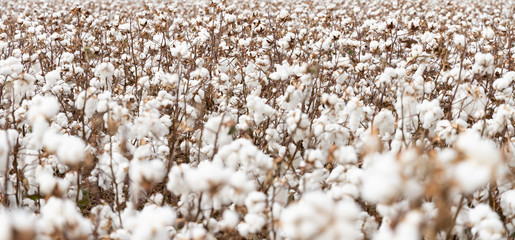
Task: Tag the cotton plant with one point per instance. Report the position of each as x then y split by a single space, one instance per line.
273 121
334 219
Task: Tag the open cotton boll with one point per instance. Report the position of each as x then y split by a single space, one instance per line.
217 129
5 227
11 65
409 227
430 112
229 220
242 154
61 216
52 77
258 107
71 150
105 72
255 202
43 106
19 223
384 121
146 173
7 142
485 223
153 222
382 181
50 185
481 163
508 202
253 223
317 216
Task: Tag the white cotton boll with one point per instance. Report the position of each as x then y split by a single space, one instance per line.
482 158
11 65
242 154
176 182
344 191
488 33
316 216
508 202
5 227
102 106
40 128
430 112
47 107
384 121
374 45
485 223
346 155
60 216
408 228
72 150
255 202
152 223
104 70
52 141
145 173
91 106
230 219
46 180
502 86
382 182
7 143
253 224
241 186
217 129
22 223
67 57
484 63
259 108
52 77
459 40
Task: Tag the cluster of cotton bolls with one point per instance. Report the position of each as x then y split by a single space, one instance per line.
223 119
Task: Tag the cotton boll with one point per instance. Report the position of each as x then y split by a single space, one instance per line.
46 107
146 173
61 216
8 140
384 121
408 228
176 182
485 223
346 155
255 202
152 223
258 108
46 180
316 216
481 158
217 129
52 77
488 33
5 227
382 182
242 154
71 151
253 223
104 70
22 223
459 40
430 112
508 202
230 219
67 57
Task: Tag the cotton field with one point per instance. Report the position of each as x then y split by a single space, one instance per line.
232 119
